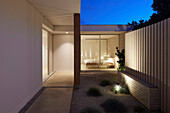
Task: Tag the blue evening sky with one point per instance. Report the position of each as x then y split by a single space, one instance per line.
111 12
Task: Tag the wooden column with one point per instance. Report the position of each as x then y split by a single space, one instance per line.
76 49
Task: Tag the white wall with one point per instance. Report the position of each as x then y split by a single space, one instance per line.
20 54
63 47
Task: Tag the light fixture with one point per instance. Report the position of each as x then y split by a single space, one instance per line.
117 87
66 32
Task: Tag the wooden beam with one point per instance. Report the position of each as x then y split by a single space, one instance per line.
76 49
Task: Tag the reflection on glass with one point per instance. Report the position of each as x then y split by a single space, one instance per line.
98 52
90 52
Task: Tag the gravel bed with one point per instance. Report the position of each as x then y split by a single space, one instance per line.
93 79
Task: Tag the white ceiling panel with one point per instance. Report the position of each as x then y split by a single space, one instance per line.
58 12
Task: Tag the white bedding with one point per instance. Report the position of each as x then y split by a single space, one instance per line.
108 60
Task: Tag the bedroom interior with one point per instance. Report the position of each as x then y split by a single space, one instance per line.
98 52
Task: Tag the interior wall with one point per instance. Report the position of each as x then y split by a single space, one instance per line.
20 54
113 42
90 48
122 41
63 48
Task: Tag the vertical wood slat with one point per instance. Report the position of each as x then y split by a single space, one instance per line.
165 65
141 55
147 54
137 57
149 47
159 59
138 54
139 33
168 79
135 50
162 68
134 36
155 54
159 55
151 52
144 53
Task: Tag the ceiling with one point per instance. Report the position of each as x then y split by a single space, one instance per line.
58 12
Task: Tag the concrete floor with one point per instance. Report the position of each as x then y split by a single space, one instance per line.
56 98
60 79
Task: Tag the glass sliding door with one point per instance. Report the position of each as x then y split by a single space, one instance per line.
90 52
108 50
98 52
44 54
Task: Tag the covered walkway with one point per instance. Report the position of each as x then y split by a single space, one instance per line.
56 98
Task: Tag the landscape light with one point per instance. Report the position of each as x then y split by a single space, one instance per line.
117 87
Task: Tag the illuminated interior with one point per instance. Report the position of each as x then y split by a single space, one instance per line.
98 52
44 54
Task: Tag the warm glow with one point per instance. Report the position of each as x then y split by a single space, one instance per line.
102 57
117 87
116 63
110 60
66 32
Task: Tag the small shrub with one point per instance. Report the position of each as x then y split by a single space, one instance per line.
124 89
94 92
89 110
139 109
121 56
113 105
105 83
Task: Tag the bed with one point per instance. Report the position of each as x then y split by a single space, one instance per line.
103 63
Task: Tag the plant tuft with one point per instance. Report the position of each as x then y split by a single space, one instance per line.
121 56
94 92
113 105
139 109
105 83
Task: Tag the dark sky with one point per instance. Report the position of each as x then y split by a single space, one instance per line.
111 12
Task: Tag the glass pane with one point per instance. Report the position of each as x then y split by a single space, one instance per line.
44 54
90 52
108 50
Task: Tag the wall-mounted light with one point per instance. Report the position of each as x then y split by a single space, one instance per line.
66 32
